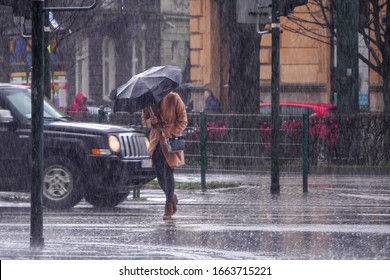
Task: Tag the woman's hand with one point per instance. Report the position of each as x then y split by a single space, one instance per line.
153 119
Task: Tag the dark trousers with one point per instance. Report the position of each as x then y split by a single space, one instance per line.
164 173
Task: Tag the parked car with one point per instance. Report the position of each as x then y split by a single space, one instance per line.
323 129
216 132
99 162
300 108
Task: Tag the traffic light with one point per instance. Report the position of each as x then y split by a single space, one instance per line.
287 6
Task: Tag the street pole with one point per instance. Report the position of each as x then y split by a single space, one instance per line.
47 76
305 137
203 150
347 71
37 92
275 99
347 56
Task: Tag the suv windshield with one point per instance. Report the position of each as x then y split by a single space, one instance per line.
21 100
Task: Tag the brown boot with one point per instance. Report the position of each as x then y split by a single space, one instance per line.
168 211
175 201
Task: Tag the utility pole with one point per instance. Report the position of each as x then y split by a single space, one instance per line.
347 72
47 75
275 99
257 11
347 56
37 92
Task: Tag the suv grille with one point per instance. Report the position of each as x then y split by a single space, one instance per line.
134 145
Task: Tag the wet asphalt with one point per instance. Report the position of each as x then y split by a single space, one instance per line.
341 217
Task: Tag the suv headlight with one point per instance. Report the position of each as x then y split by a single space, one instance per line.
114 143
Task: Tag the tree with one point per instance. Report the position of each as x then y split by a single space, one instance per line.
6 24
347 71
374 27
244 66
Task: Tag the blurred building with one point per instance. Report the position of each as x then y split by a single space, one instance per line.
306 64
98 50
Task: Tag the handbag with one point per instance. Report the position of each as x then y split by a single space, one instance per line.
176 144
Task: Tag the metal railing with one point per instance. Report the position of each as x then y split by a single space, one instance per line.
238 143
229 142
241 143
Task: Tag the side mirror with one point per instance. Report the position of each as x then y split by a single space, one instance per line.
5 116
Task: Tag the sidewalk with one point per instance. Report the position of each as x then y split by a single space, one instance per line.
318 177
341 217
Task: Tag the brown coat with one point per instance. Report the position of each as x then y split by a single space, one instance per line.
173 120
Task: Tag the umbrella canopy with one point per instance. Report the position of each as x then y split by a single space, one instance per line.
147 88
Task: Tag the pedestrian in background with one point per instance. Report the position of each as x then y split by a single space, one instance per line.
212 105
78 108
167 118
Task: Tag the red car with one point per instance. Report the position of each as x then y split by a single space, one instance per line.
322 128
299 108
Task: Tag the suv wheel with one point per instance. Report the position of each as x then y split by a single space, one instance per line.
61 188
105 199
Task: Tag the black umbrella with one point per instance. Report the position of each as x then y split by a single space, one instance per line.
147 88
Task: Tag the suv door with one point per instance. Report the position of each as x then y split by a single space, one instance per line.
15 165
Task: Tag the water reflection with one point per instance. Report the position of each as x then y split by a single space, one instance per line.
241 223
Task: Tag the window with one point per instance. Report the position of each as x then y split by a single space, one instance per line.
134 60
82 66
295 110
286 110
265 110
109 69
175 52
21 100
138 56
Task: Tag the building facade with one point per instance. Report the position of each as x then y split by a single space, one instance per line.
175 35
121 39
96 51
306 64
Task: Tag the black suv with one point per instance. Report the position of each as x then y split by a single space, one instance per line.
101 163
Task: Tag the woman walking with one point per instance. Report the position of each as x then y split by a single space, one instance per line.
166 119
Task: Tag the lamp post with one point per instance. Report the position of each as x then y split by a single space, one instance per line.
47 76
37 92
347 56
275 99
